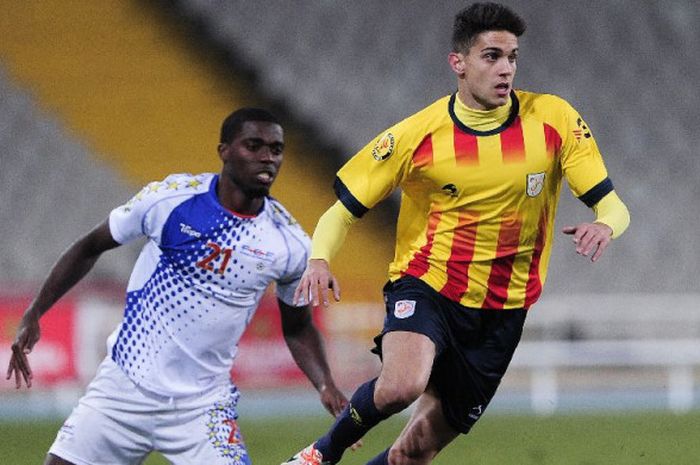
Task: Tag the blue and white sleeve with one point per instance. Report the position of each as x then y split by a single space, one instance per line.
300 248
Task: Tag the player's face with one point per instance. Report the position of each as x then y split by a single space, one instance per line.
252 160
487 71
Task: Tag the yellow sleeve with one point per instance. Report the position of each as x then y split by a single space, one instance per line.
581 161
376 170
330 231
612 212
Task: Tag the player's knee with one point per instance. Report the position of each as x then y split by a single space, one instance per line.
392 398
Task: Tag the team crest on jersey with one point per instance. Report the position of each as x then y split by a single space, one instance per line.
384 147
535 184
404 308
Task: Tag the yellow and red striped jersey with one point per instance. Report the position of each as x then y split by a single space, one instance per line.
478 206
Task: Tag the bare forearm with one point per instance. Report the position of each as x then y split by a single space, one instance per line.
71 267
307 349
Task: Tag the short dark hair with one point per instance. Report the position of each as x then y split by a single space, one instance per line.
233 123
481 17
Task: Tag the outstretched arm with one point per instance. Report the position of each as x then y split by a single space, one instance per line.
612 219
70 268
328 237
306 346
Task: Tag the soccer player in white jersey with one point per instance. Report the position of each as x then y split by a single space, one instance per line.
215 243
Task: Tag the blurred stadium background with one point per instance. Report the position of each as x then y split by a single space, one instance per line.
99 98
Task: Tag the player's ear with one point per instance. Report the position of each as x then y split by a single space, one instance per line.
456 61
221 148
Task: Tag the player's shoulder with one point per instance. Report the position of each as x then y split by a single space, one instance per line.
541 101
174 185
547 107
281 216
185 183
179 184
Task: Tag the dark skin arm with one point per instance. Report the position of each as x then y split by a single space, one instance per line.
306 346
70 268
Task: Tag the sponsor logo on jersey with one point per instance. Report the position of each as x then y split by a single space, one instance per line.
475 412
257 253
384 147
187 229
582 130
404 308
535 184
450 189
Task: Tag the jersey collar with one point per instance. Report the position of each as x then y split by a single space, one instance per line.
514 109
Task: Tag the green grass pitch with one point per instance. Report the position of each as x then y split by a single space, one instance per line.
639 439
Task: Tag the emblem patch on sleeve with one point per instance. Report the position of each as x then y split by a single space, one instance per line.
535 184
581 130
404 308
384 147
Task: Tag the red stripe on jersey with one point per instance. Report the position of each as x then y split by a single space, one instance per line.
418 266
512 143
502 265
533 289
461 255
466 147
552 140
423 155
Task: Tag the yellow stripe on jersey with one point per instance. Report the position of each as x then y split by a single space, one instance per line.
477 207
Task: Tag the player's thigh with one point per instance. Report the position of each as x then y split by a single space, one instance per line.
206 434
90 436
426 433
407 359
112 423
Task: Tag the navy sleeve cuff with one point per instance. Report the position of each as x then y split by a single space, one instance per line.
597 192
353 205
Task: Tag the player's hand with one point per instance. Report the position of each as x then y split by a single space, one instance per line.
27 336
332 399
335 402
315 283
590 238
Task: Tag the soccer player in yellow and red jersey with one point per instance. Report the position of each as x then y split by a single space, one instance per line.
480 173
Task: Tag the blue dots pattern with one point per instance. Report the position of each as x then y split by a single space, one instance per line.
210 271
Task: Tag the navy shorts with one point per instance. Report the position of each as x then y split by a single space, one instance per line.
473 346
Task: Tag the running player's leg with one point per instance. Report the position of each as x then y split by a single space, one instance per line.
414 333
426 433
407 360
406 366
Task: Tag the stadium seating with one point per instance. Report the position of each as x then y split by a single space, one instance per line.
45 179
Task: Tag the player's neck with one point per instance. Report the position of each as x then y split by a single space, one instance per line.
482 120
235 200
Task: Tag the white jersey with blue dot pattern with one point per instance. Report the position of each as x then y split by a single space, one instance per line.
197 281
